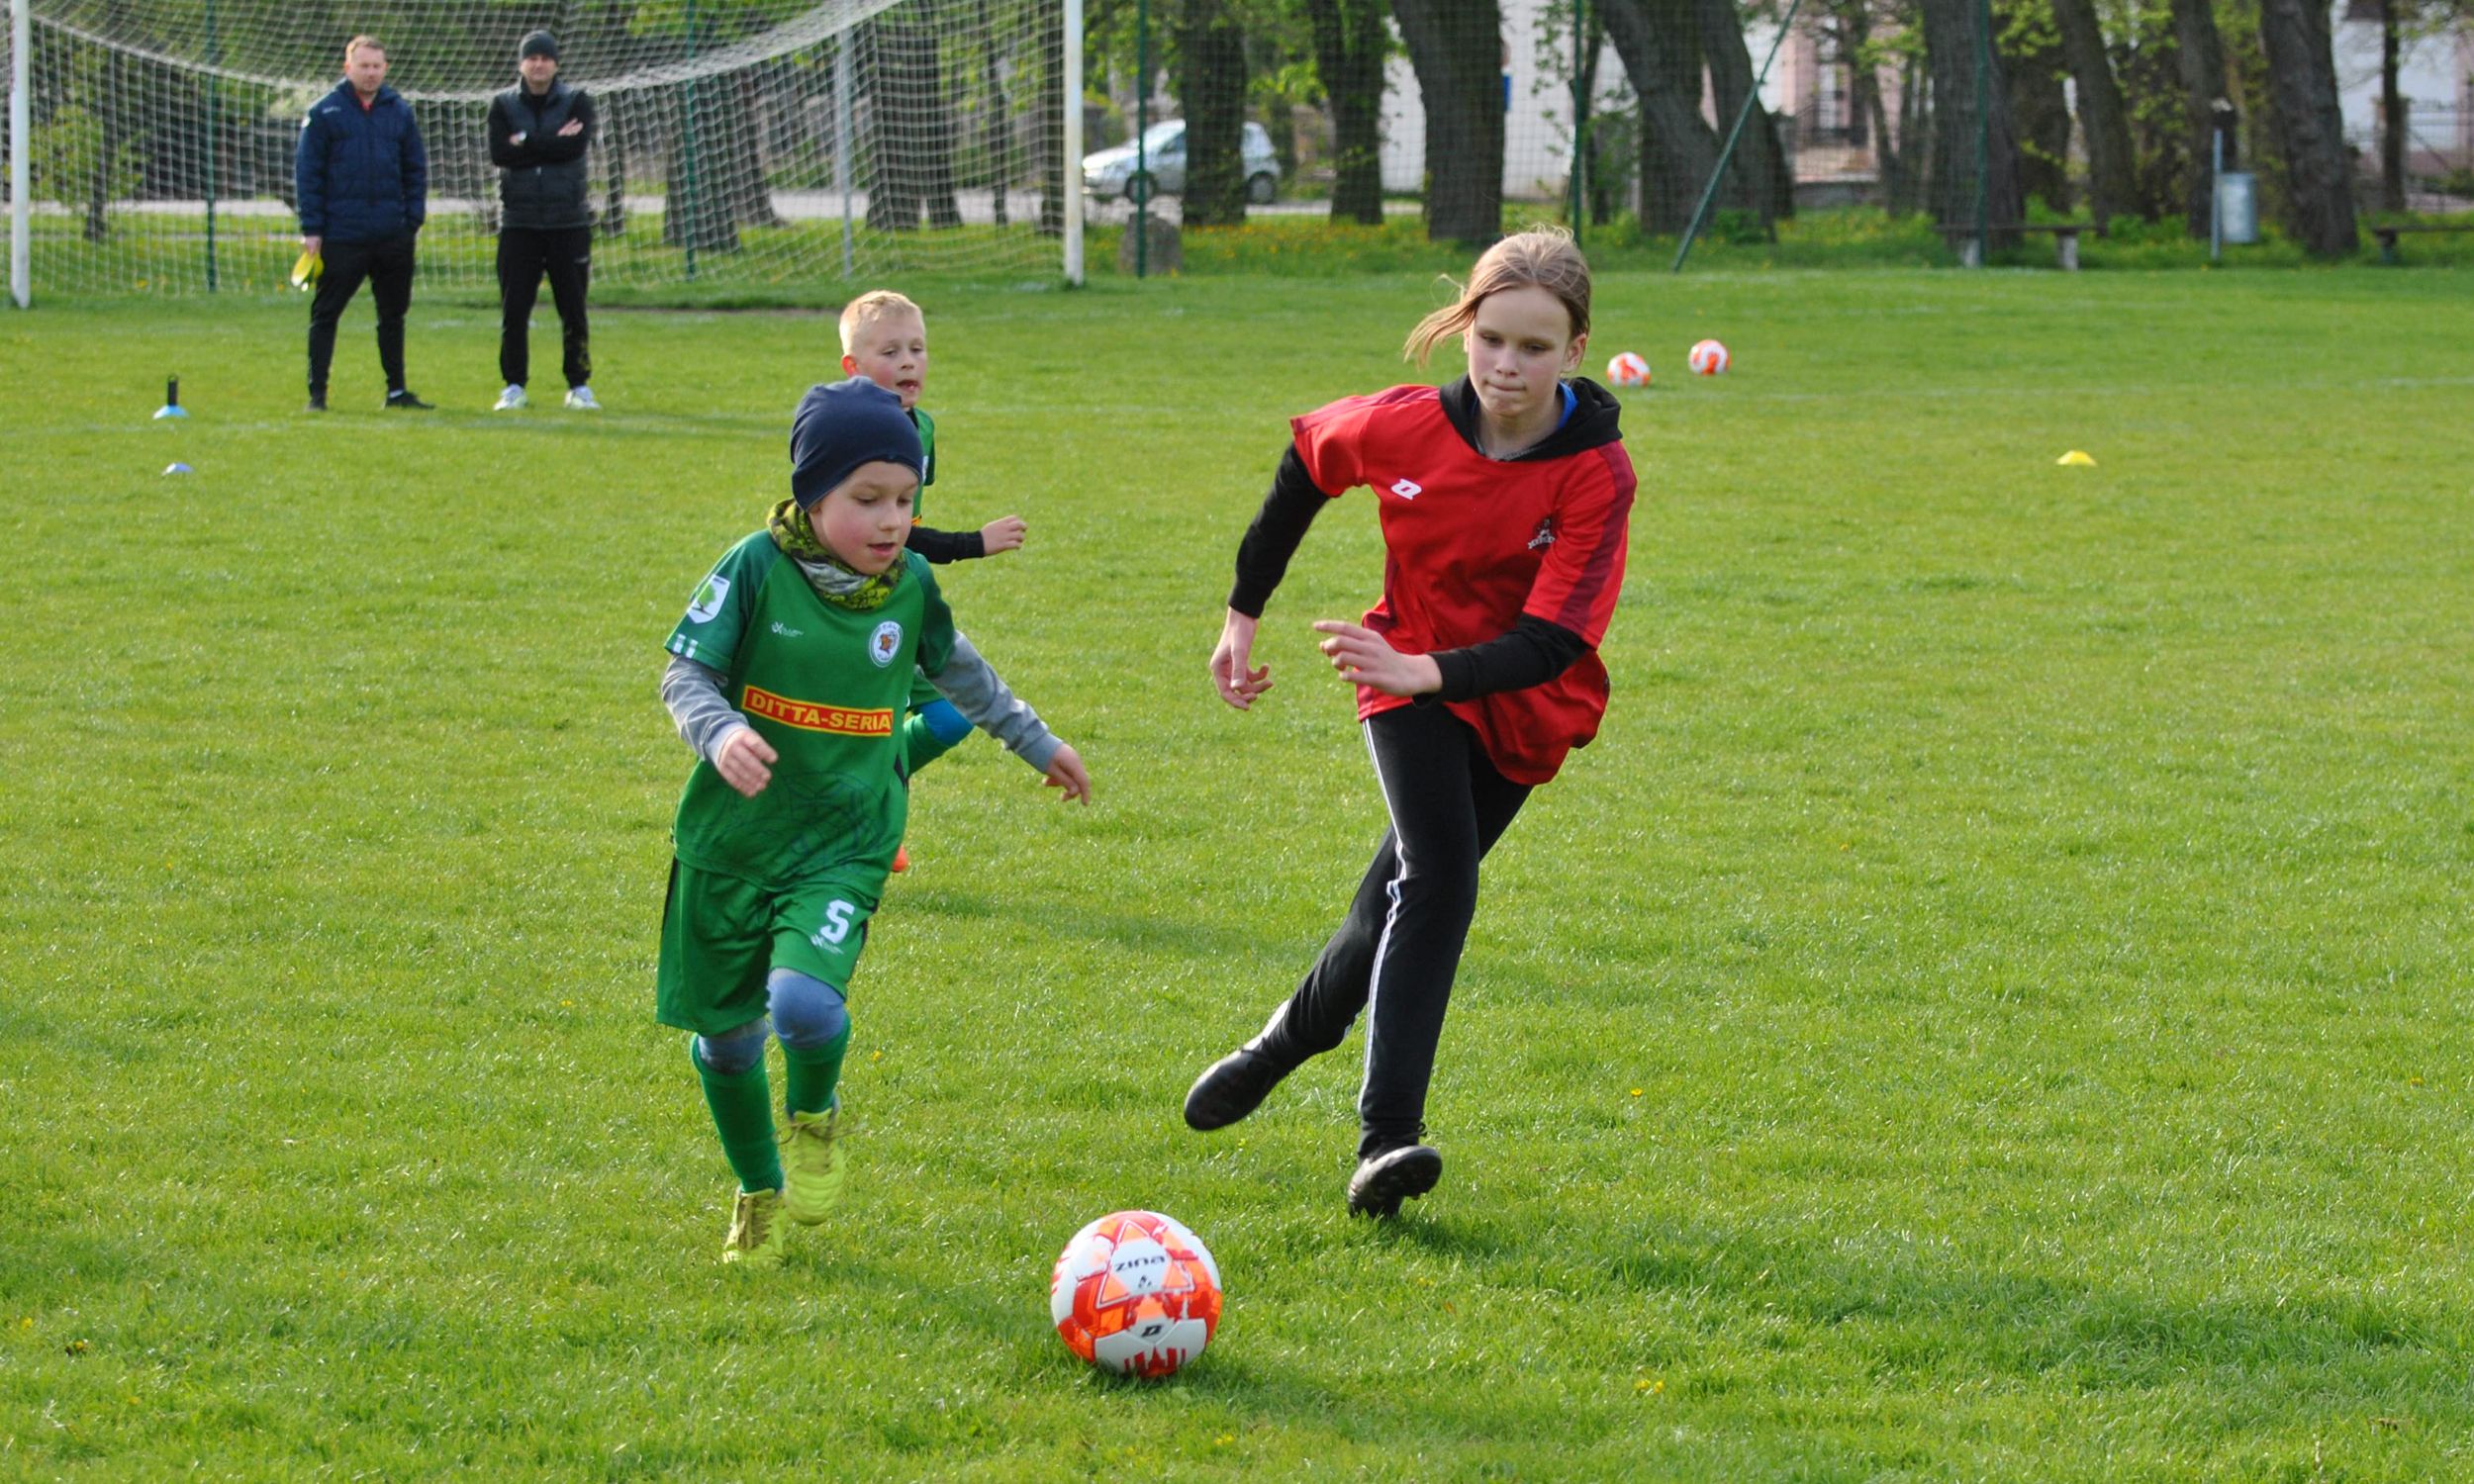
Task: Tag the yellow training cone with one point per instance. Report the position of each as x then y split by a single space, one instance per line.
305 270
2075 459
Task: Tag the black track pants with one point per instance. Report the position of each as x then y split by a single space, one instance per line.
1397 952
388 265
524 254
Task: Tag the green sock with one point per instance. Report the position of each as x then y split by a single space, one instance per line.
920 746
742 1113
813 1074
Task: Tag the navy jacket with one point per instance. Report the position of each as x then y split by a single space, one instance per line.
362 173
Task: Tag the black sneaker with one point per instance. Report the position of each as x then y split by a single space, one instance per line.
1232 1088
1385 1180
406 400
316 403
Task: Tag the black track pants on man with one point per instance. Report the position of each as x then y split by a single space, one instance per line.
524 254
388 266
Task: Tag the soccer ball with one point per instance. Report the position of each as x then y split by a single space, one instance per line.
1628 370
1135 1292
1708 358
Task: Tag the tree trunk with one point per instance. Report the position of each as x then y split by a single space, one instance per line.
1211 84
1851 38
2308 126
1455 47
2032 65
1350 40
1057 174
2393 117
914 132
1915 135
2205 105
1975 148
993 133
2112 166
744 193
1759 166
612 142
693 215
1662 54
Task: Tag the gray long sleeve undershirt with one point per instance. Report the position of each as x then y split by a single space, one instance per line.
702 710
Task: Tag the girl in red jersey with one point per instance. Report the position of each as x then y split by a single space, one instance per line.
1505 499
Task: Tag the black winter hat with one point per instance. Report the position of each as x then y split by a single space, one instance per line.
539 44
840 426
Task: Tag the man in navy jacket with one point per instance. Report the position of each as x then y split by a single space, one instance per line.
364 189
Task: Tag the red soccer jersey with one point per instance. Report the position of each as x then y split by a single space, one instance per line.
1471 544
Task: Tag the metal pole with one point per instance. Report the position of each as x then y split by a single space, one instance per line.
1073 141
1709 193
1580 116
214 60
1984 131
689 225
1142 128
2216 195
21 256
842 114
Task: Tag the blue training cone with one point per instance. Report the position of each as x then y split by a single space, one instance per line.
172 406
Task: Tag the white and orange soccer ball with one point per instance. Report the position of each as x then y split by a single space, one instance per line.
1137 1293
1708 358
1628 370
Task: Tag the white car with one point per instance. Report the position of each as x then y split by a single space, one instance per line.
1111 172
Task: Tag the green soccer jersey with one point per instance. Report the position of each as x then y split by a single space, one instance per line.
927 454
828 688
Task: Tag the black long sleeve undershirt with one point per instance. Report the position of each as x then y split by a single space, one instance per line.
942 547
1533 652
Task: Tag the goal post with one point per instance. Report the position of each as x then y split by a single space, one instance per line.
744 147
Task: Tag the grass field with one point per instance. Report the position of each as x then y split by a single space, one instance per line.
1992 1005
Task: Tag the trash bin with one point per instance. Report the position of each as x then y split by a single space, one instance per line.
2237 207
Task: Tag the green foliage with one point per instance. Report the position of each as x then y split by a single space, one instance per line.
67 155
1986 1007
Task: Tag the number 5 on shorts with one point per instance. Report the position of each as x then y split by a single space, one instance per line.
836 924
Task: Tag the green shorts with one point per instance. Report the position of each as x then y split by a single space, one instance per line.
721 937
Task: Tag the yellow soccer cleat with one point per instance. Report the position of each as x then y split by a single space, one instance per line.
811 1171
758 1237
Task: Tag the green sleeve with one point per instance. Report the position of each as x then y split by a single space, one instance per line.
717 614
927 445
936 621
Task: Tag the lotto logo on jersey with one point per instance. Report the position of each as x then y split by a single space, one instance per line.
810 716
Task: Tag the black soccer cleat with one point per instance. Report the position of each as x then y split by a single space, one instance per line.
316 403
406 400
1231 1087
1385 1180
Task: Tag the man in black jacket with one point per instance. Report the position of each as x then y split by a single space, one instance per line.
364 180
538 132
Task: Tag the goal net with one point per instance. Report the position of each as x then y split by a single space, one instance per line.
742 144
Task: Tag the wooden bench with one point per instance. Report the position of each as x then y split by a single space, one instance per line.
2065 237
2389 232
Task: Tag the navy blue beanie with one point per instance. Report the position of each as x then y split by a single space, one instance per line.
841 426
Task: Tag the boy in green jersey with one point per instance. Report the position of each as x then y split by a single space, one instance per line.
789 675
884 340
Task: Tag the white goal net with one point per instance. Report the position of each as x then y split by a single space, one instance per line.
743 143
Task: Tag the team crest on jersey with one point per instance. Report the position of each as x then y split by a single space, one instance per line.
707 600
885 643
